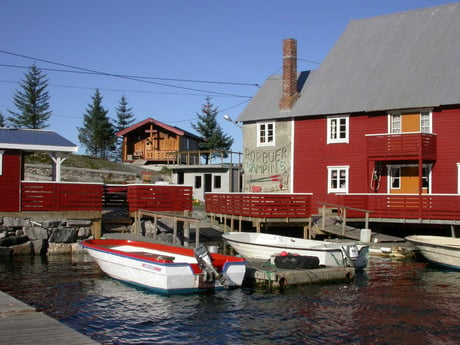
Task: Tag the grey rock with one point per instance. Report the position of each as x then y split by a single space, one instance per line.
65 235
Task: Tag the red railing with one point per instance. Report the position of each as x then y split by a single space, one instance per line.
405 206
160 198
404 145
259 205
53 196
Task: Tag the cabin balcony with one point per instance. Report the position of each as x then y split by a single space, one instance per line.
152 155
402 146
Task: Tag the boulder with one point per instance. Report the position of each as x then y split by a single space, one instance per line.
59 248
83 232
13 241
63 235
15 222
22 249
35 232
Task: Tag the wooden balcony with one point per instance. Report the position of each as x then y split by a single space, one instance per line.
404 146
425 208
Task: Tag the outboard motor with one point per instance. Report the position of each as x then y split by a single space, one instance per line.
205 262
352 253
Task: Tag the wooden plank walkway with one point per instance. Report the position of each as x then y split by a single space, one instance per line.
354 234
22 324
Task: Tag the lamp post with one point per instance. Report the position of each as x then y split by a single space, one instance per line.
229 119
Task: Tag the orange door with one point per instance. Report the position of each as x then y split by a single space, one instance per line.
410 123
409 181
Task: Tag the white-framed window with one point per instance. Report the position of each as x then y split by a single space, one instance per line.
266 134
217 181
337 177
395 123
1 161
337 129
395 177
425 122
396 120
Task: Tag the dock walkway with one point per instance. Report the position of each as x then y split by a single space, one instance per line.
22 324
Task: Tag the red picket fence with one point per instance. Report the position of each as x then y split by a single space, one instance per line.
54 196
260 205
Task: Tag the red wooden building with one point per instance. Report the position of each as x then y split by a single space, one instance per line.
375 127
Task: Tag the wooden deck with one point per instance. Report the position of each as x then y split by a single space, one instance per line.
22 324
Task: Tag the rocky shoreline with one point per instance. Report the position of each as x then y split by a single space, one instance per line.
25 236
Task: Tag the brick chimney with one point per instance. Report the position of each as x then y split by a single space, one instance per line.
290 93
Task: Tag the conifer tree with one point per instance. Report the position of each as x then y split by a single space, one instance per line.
97 133
211 131
32 102
125 118
2 120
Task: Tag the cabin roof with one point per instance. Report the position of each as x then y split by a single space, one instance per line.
175 130
35 140
398 61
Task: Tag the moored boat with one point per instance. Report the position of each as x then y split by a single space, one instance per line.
252 245
164 268
440 250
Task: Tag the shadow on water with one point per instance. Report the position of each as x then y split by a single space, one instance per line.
388 303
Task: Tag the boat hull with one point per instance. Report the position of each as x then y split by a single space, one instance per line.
265 246
439 250
149 265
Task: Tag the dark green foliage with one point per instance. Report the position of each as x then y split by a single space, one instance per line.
97 133
32 102
2 120
211 131
125 119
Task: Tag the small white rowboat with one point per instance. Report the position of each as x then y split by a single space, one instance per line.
440 250
165 268
252 245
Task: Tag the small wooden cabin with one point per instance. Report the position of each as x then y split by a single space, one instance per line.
152 141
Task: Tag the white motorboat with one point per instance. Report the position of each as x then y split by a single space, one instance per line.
252 245
165 268
440 250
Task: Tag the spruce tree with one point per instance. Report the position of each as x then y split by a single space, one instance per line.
211 131
97 133
2 120
32 102
125 118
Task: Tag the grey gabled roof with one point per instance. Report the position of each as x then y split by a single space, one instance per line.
398 61
34 140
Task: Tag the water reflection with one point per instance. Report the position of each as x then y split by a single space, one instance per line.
389 303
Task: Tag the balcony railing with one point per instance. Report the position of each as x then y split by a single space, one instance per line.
401 146
425 207
260 205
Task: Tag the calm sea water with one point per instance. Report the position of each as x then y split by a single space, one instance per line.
390 303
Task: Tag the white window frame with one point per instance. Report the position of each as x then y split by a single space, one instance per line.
330 176
426 179
263 136
394 177
1 161
426 121
458 178
333 129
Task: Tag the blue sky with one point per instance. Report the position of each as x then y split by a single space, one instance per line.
177 44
